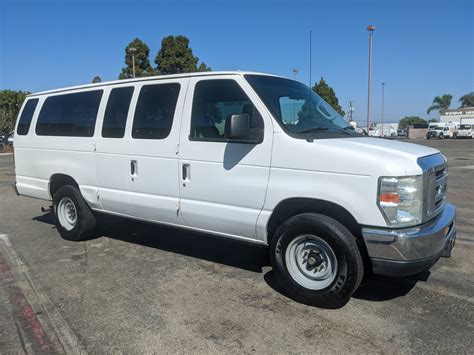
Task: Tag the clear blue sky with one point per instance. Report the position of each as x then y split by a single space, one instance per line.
421 48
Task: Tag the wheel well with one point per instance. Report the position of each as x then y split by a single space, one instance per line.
294 206
58 180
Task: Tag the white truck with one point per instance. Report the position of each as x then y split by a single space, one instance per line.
253 157
441 130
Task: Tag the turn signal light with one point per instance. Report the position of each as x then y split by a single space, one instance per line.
389 197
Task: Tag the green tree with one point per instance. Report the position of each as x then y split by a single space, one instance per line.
203 67
10 104
97 79
467 100
327 93
410 120
440 103
142 62
175 56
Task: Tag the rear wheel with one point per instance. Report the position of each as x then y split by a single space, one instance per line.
441 136
316 260
73 217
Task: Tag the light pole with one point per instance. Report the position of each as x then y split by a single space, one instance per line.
383 99
371 29
132 51
351 109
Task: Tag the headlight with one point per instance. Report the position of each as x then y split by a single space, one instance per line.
401 200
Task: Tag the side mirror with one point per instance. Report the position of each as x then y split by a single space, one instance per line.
238 130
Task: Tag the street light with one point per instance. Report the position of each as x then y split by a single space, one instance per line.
132 51
383 99
295 72
371 29
351 109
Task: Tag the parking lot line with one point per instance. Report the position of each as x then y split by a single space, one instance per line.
31 301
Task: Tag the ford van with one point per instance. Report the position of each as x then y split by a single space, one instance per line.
465 131
249 156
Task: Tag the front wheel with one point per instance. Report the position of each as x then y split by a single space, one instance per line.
316 260
73 217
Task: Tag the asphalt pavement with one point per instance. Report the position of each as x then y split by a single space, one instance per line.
146 288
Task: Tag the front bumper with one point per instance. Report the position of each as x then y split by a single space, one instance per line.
407 251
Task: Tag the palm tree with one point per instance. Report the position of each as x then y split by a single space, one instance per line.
440 103
467 100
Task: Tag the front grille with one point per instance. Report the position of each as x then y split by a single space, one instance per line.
435 179
440 187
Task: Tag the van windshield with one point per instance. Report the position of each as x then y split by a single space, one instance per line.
298 109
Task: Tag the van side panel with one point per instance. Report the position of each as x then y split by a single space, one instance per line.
38 158
112 164
302 169
37 161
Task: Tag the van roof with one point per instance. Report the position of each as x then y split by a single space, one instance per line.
148 78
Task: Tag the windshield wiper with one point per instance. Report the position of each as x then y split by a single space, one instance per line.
336 129
314 129
343 130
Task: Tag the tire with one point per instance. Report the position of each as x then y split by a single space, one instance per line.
73 217
321 233
441 136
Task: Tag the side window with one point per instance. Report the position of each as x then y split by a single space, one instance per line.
116 112
26 116
155 111
214 102
69 115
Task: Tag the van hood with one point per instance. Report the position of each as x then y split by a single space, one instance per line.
359 155
388 146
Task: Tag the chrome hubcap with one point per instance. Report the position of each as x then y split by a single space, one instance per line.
67 213
311 262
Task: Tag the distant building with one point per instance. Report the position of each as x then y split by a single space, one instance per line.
460 115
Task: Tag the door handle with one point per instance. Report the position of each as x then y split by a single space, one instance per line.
186 172
133 168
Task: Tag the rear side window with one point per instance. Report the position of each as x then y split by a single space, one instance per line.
155 111
70 115
214 102
26 116
116 112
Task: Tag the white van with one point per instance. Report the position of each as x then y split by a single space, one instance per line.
249 156
465 130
